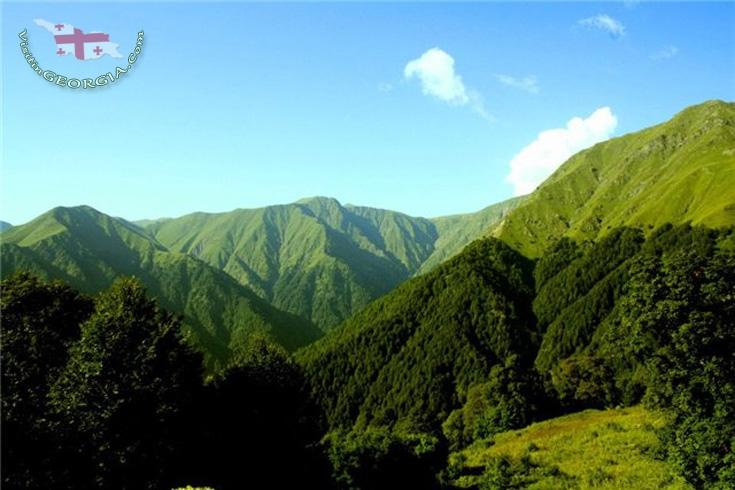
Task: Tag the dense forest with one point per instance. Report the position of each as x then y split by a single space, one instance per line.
105 391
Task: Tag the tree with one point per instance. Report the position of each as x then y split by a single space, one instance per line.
379 459
263 429
122 398
508 400
584 382
680 317
39 323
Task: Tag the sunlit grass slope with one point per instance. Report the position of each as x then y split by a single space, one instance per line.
681 170
611 449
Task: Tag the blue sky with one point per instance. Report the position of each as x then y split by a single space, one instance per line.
238 105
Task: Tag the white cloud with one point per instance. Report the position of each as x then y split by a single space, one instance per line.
529 84
435 69
665 53
537 161
606 23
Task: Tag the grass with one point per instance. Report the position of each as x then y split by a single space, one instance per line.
609 449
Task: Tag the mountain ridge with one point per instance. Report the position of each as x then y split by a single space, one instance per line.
677 171
352 254
88 250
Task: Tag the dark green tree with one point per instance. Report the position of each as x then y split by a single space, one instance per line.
39 323
680 317
510 399
378 459
584 382
122 400
263 430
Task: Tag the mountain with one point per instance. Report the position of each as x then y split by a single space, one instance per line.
317 258
4 225
679 171
455 232
410 357
88 250
432 351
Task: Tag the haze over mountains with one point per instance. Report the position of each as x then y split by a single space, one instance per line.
318 262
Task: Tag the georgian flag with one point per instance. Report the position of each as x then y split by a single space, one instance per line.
84 46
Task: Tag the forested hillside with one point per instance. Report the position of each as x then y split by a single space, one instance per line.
410 358
482 345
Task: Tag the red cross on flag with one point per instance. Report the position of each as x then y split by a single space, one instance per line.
84 46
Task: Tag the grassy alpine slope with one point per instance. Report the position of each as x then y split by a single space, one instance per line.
679 171
610 449
89 250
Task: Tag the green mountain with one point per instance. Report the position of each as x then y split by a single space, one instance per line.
455 232
4 225
317 258
679 171
88 250
478 345
409 358
481 345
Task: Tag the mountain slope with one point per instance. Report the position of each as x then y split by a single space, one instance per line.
319 259
4 225
314 258
455 232
609 449
88 250
410 357
682 170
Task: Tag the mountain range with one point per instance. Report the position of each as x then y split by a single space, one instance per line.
290 271
319 259
296 271
417 343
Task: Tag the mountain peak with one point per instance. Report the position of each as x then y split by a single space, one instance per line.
320 200
705 111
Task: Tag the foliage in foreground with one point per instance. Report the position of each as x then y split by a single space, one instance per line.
103 393
377 459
